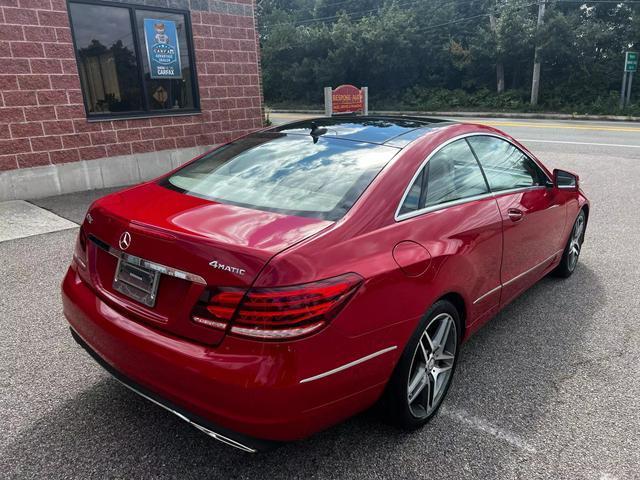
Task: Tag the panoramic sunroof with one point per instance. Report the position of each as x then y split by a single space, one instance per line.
372 130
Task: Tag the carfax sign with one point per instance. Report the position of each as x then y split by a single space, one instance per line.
163 51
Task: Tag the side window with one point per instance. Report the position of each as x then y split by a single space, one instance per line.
451 174
412 201
505 166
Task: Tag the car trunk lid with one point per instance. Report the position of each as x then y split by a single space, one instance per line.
194 244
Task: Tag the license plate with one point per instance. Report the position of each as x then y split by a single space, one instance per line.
136 282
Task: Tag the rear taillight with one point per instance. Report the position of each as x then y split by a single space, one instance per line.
277 313
80 252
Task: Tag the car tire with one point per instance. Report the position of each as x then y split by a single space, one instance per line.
572 249
411 399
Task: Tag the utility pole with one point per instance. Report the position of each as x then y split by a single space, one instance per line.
623 95
535 83
499 64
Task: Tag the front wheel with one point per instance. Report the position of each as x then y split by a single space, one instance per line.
423 375
572 250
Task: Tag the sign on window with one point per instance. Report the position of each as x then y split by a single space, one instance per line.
163 50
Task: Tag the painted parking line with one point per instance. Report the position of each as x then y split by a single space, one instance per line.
484 426
581 143
19 219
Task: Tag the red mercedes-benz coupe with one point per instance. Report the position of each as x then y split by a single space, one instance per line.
293 277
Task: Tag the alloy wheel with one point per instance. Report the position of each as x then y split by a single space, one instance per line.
432 365
575 242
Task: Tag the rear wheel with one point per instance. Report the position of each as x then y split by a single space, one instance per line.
423 375
572 250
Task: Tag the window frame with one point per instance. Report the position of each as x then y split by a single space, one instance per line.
398 217
146 112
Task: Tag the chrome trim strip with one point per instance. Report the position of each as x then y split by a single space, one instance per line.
211 433
482 297
80 261
497 193
349 365
399 217
157 267
531 269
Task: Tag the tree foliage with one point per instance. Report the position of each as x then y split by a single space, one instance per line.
412 51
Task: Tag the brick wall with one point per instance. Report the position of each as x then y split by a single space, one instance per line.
42 117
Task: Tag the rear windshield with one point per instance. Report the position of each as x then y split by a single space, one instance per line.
290 174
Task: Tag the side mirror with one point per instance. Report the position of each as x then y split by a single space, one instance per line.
564 180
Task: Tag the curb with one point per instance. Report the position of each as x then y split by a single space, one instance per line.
541 116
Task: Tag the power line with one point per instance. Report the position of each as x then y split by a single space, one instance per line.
481 15
361 13
618 2
460 20
456 3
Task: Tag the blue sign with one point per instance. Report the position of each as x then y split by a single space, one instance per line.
163 50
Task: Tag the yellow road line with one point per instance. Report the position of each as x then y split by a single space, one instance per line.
556 125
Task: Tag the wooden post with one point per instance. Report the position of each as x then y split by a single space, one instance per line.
365 100
328 101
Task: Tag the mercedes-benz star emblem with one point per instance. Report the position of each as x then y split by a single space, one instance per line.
125 240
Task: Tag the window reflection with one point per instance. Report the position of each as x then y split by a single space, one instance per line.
291 174
453 173
106 58
505 166
113 60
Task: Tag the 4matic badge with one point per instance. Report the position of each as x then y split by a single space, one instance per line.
227 268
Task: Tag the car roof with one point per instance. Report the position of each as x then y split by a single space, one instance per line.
396 131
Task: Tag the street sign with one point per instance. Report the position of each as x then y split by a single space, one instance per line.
631 62
347 98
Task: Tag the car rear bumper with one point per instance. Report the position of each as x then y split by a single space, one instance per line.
251 395
233 439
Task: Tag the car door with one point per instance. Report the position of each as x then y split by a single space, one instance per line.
449 210
533 214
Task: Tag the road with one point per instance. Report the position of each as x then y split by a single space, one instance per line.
550 388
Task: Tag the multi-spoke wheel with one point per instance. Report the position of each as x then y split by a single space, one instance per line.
572 250
432 365
423 374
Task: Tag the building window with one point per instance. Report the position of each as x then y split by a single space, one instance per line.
132 60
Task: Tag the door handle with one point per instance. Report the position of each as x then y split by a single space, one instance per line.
515 215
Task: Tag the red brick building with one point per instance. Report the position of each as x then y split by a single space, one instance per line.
103 93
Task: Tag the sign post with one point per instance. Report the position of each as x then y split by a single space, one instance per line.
630 67
346 99
328 106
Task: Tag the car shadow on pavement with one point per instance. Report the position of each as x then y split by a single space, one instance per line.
508 376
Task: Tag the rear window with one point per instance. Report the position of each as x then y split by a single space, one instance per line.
289 174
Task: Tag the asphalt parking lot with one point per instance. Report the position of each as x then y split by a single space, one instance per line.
548 389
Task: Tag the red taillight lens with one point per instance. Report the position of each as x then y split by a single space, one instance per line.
219 309
278 313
